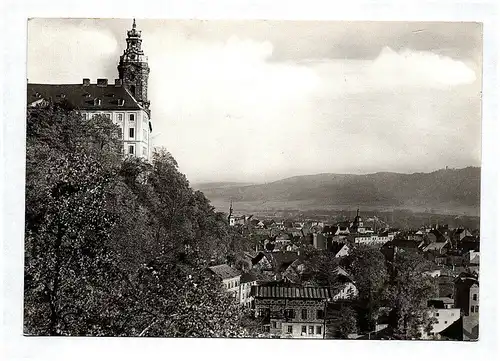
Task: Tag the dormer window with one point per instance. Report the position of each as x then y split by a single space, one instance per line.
97 101
121 102
38 95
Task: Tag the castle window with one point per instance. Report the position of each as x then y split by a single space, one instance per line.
274 324
131 117
131 149
120 133
474 296
304 330
318 330
472 309
131 132
119 117
477 308
311 330
319 314
290 329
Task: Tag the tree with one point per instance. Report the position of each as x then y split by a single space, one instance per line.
320 267
116 247
367 267
341 321
408 292
68 265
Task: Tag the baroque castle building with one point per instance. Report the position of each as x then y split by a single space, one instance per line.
125 101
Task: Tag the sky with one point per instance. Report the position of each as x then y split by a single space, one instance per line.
257 101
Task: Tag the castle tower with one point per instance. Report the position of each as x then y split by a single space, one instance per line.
133 68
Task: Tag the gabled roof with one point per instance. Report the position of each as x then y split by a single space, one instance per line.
82 96
258 258
224 271
340 271
337 246
281 260
436 246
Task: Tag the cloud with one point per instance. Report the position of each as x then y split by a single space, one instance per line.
65 53
228 110
419 68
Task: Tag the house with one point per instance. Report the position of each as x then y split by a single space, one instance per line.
467 294
371 239
438 248
291 311
125 102
229 277
444 314
339 249
319 241
247 280
472 258
469 243
269 223
294 271
458 234
294 311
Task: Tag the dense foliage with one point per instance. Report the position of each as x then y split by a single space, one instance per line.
113 246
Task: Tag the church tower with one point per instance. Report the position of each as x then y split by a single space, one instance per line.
133 68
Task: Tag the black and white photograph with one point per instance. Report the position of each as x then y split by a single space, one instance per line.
264 179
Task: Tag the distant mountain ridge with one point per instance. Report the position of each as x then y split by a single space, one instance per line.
445 187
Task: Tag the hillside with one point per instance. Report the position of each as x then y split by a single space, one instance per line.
443 189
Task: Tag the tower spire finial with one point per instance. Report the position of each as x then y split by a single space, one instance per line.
133 24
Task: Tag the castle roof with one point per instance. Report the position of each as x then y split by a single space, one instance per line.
82 97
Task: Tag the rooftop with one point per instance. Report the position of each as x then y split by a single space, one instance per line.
83 97
283 291
224 271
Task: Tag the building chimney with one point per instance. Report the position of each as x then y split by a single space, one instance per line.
118 82
86 81
102 82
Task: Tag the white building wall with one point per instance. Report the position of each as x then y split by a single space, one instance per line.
139 144
245 289
232 285
445 318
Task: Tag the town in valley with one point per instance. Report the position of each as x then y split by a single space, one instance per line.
120 243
